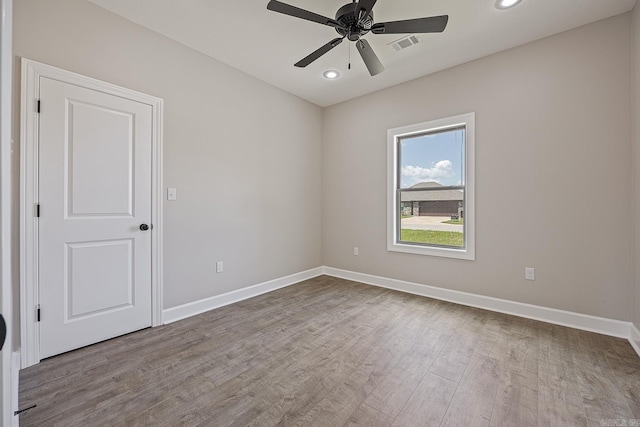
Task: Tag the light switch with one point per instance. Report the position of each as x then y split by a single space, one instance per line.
172 194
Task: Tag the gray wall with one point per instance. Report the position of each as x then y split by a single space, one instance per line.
553 129
636 167
244 156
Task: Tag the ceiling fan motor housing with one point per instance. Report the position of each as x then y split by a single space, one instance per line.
346 15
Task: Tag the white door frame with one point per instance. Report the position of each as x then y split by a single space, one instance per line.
31 73
6 61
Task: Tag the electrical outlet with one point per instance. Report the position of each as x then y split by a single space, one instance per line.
219 267
530 273
355 251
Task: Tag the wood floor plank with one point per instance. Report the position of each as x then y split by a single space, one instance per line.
602 400
475 397
428 403
455 356
556 408
402 379
384 351
329 351
366 416
517 398
625 373
307 380
556 367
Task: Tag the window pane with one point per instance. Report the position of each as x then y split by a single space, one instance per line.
434 157
431 188
432 217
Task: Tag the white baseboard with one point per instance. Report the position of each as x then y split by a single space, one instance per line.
601 325
15 389
634 338
180 312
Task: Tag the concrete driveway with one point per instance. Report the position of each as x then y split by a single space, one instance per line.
430 223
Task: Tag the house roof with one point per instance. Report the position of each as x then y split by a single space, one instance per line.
431 196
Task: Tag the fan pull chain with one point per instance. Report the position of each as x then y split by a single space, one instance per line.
349 67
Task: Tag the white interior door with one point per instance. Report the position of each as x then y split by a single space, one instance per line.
94 181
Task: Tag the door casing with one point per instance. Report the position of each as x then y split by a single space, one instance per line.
8 386
32 71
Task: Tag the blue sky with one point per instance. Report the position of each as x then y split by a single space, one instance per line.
436 157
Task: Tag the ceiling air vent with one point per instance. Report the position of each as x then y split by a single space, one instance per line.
405 42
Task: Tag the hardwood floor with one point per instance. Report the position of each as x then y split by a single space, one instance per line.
329 352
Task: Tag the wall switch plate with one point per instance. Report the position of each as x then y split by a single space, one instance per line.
355 251
219 267
172 194
530 273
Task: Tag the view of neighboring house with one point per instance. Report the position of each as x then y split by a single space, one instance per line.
435 200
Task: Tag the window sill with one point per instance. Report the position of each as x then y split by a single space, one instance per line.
464 254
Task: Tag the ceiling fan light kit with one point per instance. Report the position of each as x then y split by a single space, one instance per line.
331 74
353 21
506 4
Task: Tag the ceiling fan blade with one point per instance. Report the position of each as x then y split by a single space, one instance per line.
369 57
432 24
296 12
318 53
364 8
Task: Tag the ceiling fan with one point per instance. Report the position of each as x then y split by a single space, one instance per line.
353 21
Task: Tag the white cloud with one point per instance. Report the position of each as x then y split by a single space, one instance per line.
412 175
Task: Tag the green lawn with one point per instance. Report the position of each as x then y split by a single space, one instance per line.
454 221
448 238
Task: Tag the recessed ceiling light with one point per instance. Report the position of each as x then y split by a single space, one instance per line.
506 4
331 74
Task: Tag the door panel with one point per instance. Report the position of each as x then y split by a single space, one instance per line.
95 191
94 286
100 163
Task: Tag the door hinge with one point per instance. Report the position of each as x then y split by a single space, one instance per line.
38 210
38 313
38 107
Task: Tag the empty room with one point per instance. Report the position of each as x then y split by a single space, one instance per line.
368 212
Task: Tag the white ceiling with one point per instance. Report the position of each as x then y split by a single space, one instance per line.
266 44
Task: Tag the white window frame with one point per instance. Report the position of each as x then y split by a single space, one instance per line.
393 137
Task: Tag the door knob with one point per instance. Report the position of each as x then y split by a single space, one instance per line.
144 227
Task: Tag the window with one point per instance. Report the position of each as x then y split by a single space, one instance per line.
430 176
